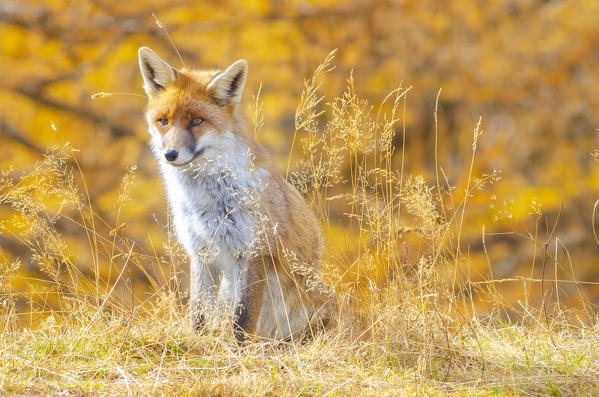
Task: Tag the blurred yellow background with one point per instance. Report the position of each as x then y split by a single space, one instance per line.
529 68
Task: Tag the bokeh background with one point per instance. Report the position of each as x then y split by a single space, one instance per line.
529 68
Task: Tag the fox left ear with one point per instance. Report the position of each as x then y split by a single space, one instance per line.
226 87
156 72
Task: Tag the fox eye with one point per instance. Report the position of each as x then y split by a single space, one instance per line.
163 121
197 121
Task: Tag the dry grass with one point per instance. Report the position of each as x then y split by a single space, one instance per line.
406 320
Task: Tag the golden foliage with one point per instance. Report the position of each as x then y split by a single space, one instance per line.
430 252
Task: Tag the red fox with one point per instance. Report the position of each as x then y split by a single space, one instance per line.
254 245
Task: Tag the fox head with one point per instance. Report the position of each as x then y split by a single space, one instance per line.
188 109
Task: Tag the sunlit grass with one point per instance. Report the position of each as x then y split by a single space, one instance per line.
406 319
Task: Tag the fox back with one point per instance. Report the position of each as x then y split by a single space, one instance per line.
254 244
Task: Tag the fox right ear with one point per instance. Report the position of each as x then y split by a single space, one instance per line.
156 72
226 87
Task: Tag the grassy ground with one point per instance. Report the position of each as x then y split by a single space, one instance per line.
406 319
157 353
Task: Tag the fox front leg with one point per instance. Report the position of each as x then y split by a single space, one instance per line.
249 297
202 294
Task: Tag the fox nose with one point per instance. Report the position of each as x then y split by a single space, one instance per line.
171 155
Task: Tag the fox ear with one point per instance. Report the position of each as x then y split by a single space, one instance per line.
157 74
226 87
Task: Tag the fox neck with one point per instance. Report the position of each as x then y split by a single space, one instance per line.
227 158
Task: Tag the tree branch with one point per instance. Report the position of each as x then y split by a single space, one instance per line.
16 135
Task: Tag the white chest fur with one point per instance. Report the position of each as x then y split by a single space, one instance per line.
212 200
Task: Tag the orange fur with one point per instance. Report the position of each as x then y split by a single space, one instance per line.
276 286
